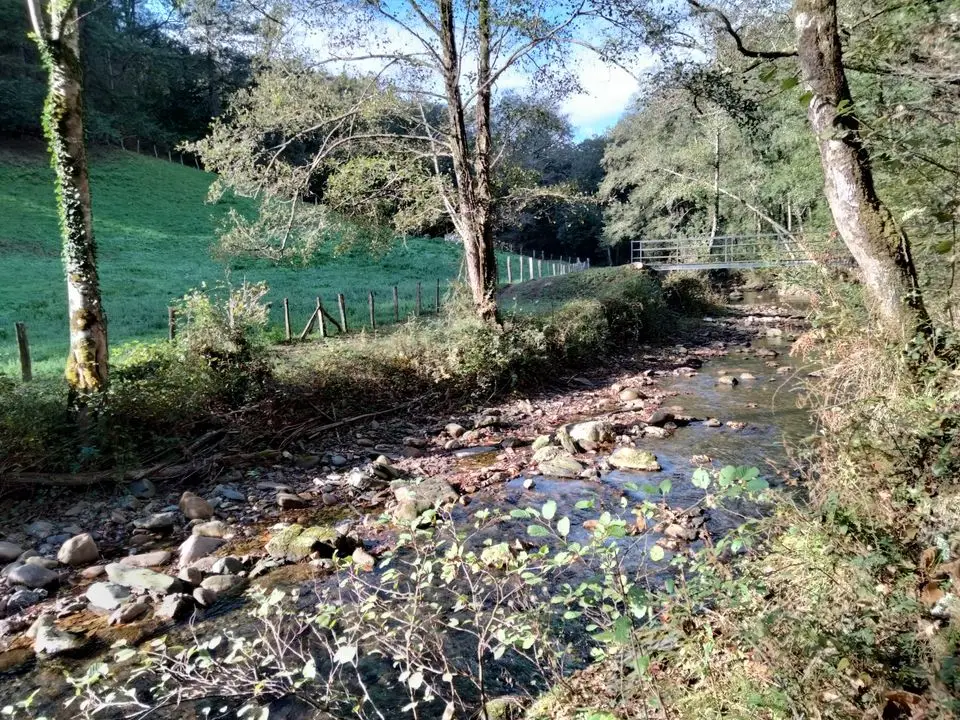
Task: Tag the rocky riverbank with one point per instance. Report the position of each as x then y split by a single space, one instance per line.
84 569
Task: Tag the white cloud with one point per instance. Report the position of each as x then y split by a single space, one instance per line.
608 90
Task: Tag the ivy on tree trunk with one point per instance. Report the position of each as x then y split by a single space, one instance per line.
56 32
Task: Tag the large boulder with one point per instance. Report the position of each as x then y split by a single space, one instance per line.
196 547
142 579
195 507
415 498
628 458
295 543
79 550
9 552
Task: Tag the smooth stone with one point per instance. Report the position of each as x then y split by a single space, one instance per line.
628 394
541 442
195 507
44 562
221 585
289 501
652 431
712 422
557 462
229 565
157 522
229 492
296 543
627 458
364 560
175 607
142 579
51 640
128 613
338 460
22 599
146 560
9 552
454 430
212 528
204 597
727 380
142 489
94 571
595 431
413 499
191 575
79 550
33 576
196 547
107 595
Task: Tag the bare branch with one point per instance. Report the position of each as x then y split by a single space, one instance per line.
701 9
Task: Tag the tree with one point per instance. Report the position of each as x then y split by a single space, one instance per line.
880 247
453 55
56 32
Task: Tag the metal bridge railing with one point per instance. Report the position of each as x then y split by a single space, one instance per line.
702 251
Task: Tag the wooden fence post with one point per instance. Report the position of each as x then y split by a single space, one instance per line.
540 268
169 156
521 268
138 146
321 321
155 153
373 313
396 304
171 323
509 271
342 302
531 267
419 307
26 367
438 296
181 159
286 320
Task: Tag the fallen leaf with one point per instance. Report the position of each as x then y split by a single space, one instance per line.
931 593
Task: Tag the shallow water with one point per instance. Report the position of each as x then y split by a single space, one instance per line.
769 405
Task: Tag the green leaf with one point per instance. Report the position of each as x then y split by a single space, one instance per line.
519 514
656 553
345 654
757 485
666 486
309 671
788 83
549 509
585 505
563 526
943 247
701 479
806 98
621 629
768 74
538 531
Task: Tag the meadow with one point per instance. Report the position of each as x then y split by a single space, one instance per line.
155 232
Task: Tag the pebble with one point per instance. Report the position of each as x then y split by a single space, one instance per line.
146 560
157 522
213 529
51 640
229 492
175 607
196 547
142 579
192 575
33 576
229 565
195 507
338 460
289 501
222 585
128 613
39 529
22 599
94 571
142 489
9 551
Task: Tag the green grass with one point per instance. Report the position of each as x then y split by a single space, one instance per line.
155 233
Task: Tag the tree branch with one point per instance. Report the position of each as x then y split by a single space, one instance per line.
701 9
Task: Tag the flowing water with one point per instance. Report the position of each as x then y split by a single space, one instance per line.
768 405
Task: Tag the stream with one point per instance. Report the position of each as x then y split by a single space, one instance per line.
765 401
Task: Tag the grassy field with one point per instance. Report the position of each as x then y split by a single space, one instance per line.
155 233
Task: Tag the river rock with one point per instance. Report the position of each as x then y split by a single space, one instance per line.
562 436
107 595
727 380
204 597
628 458
659 433
712 422
562 465
338 460
157 522
229 565
224 585
767 353
142 489
39 529
191 575
128 613
51 640
9 552
24 598
174 607
228 492
454 430
92 572
660 417
212 528
363 560
747 376
595 431
629 394
79 550
196 547
541 442
146 560
195 507
384 469
44 562
142 579
33 576
289 501
295 543
413 499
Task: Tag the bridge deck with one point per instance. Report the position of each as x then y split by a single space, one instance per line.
703 252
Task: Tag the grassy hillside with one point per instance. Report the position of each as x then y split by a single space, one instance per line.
155 233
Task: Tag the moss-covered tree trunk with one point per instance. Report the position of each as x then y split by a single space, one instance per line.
866 225
57 34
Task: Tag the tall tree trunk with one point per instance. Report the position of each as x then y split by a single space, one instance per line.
472 219
86 370
715 220
877 243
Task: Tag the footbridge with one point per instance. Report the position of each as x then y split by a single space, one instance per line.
703 252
